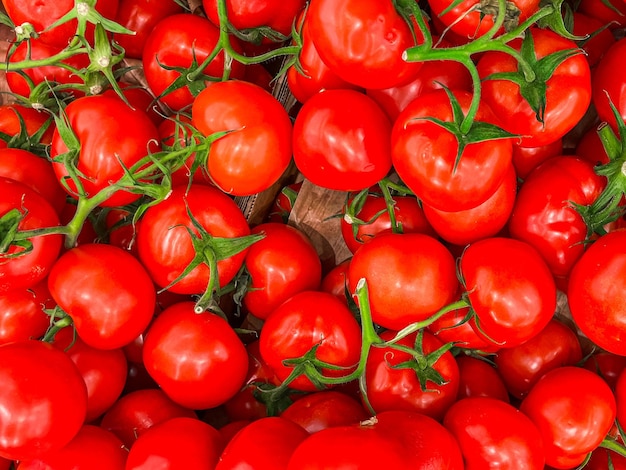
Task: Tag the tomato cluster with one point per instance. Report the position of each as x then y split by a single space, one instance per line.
169 298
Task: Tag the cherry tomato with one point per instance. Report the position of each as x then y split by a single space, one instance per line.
478 378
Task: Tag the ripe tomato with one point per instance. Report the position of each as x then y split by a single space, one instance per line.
525 159
609 83
107 293
176 443
335 281
600 37
171 47
510 289
22 313
478 378
401 440
410 277
567 94
264 444
324 322
26 270
35 122
362 41
607 365
495 434
597 312
256 153
390 387
122 138
424 154
187 353
43 398
574 410
362 130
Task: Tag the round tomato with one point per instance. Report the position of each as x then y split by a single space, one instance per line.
525 159
478 378
22 313
16 119
609 83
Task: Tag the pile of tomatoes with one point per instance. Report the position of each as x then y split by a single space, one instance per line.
148 321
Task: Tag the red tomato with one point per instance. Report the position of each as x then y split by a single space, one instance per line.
324 322
335 281
140 16
137 411
607 365
264 444
409 276
26 270
620 398
522 366
425 155
166 257
494 434
510 289
107 293
609 83
611 13
600 459
176 443
390 387
35 122
574 410
122 138
257 152
478 378
567 95
43 398
362 41
525 159
169 52
185 353
22 313
341 140
600 37
597 311
283 203
93 448
401 440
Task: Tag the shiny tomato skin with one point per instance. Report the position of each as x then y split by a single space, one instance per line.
104 317
258 150
410 277
362 41
568 92
478 378
34 120
609 83
264 444
122 138
355 120
525 159
185 353
597 312
322 320
176 443
166 257
493 434
25 271
38 383
22 313
607 365
510 289
574 410
335 281
424 154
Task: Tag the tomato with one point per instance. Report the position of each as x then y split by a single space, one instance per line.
324 322
341 140
401 440
139 97
166 257
607 365
609 83
409 276
494 434
335 281
590 147
92 448
137 411
574 410
595 311
478 378
34 122
362 41
27 269
171 47
280 265
325 409
509 288
185 353
22 313
373 218
122 138
176 443
424 154
525 159
600 40
522 366
107 293
141 16
264 444
620 398
483 221
611 13
283 203
35 172
39 384
600 459
256 153
567 94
